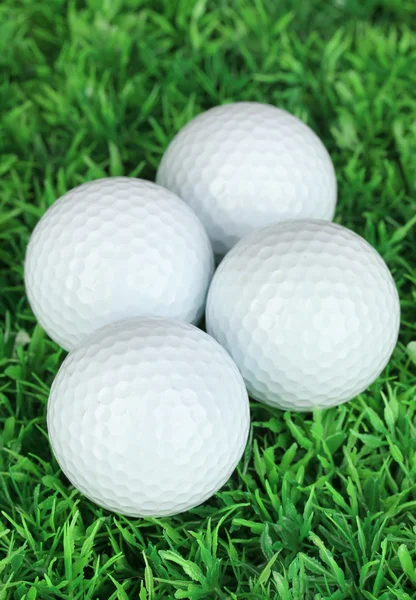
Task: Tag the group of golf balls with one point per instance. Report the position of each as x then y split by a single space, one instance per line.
149 415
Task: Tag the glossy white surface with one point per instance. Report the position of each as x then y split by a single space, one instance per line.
246 165
309 312
114 248
148 417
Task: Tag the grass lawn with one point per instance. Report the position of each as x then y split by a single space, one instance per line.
322 506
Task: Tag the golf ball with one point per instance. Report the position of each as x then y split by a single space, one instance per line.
246 165
309 312
114 248
148 417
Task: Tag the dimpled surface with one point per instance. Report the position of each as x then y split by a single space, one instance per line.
114 248
148 417
309 312
246 165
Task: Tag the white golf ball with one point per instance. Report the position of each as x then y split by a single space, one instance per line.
115 248
148 417
246 165
309 312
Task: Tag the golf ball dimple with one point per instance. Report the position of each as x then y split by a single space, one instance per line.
148 417
246 165
309 312
114 248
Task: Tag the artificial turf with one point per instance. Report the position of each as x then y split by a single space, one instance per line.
323 506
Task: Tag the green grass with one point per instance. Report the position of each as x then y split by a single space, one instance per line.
323 506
